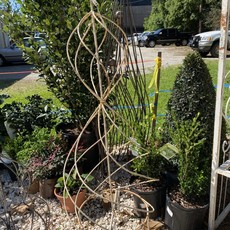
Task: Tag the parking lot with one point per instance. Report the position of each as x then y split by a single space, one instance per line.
171 55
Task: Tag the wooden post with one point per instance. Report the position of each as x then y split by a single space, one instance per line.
155 104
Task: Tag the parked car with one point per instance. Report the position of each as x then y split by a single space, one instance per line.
133 38
15 54
142 38
10 54
208 42
167 36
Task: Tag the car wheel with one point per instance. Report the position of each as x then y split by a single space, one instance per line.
203 54
141 44
215 50
177 43
184 42
2 61
152 44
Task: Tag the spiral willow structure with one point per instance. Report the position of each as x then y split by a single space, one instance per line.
117 83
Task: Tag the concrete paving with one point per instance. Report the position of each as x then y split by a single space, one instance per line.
171 55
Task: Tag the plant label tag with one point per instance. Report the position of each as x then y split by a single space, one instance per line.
169 211
142 205
134 147
168 151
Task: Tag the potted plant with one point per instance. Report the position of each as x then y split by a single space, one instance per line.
58 74
32 122
188 202
150 167
189 126
23 118
70 191
46 162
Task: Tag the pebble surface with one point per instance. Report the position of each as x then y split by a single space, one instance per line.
19 210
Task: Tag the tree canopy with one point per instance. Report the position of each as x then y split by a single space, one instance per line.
187 15
56 20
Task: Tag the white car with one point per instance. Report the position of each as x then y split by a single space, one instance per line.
208 42
14 54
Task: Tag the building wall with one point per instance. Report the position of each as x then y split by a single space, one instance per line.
135 11
139 14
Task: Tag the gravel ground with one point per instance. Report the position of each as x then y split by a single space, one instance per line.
26 211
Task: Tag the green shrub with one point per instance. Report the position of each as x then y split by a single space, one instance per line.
57 23
193 93
188 137
37 112
149 162
45 154
32 143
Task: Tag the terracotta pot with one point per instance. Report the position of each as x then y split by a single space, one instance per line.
34 187
68 204
46 187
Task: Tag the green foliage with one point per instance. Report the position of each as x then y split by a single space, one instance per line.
188 136
193 93
187 14
57 22
187 17
38 112
13 146
156 18
149 161
69 184
30 143
48 158
2 126
212 17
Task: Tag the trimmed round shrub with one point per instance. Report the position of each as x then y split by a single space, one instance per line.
193 97
193 92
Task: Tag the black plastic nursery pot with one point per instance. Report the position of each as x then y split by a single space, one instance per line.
156 198
180 218
70 133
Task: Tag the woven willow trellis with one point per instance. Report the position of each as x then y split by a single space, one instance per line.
118 84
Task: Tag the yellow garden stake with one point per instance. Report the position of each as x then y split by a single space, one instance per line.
156 80
155 73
